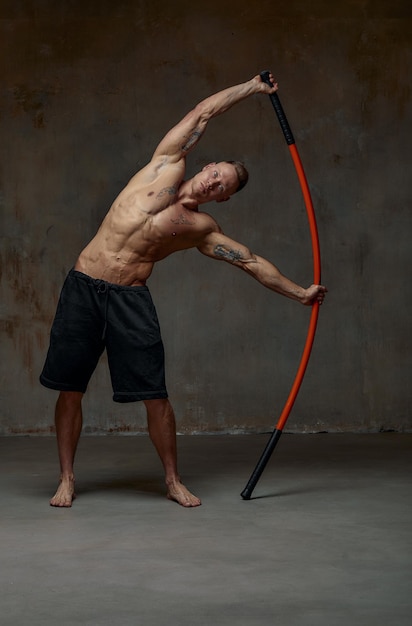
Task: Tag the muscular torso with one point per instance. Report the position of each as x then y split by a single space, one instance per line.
147 222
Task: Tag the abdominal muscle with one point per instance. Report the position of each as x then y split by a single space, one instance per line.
120 251
114 270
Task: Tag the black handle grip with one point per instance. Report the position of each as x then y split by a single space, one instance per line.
284 124
257 472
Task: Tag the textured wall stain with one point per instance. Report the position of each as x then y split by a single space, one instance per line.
20 275
27 342
46 430
382 67
32 103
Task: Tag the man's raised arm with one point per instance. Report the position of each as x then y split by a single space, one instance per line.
185 135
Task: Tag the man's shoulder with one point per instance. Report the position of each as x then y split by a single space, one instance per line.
207 219
151 189
207 223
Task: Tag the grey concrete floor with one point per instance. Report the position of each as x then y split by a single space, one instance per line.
325 541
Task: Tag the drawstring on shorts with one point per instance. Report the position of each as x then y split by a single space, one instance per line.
103 288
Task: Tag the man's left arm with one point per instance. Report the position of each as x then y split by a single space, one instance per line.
218 246
183 137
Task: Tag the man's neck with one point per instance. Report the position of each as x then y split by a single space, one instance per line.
185 197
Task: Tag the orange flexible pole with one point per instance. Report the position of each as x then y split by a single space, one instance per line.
316 279
275 436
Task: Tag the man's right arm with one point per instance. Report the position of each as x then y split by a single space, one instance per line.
182 138
220 247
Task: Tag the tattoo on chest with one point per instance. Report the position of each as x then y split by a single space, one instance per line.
228 254
169 191
182 219
191 140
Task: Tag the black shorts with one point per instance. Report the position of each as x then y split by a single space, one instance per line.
93 315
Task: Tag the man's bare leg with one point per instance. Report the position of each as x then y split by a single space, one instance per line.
162 431
68 420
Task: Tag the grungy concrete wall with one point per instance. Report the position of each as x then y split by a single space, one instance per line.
89 88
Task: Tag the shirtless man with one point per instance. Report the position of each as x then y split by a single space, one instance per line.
105 302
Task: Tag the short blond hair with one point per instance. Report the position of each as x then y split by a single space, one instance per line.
242 173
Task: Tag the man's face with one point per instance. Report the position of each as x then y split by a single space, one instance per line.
216 181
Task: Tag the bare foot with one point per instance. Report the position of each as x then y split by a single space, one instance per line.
178 492
64 495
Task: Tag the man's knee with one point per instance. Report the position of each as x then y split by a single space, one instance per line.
70 398
159 406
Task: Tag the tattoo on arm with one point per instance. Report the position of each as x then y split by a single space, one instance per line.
227 254
191 140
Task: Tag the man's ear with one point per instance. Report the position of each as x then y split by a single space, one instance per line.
209 165
224 199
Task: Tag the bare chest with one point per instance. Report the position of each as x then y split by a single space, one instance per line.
176 221
173 229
